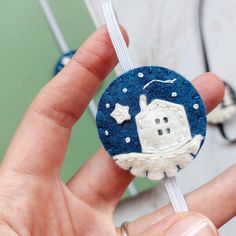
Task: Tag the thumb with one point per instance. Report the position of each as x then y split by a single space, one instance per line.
186 224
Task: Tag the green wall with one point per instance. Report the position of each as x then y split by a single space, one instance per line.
28 53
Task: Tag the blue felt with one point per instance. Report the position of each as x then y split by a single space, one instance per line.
115 143
59 66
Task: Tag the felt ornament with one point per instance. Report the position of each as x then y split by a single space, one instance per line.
63 61
226 109
224 112
152 121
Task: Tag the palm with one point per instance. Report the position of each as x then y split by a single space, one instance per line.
48 207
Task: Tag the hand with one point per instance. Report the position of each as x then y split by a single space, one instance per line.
35 201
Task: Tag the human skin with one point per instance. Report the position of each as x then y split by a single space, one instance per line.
35 201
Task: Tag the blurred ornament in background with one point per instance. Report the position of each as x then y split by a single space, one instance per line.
63 61
226 109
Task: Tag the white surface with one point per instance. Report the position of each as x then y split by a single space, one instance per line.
165 32
171 37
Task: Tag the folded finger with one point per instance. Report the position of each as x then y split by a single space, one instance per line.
215 200
182 224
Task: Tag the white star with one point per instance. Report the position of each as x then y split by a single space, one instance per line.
121 113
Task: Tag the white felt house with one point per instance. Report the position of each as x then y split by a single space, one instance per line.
162 126
165 138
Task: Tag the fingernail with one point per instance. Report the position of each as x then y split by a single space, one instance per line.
192 225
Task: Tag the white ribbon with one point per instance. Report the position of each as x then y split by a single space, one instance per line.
118 41
126 63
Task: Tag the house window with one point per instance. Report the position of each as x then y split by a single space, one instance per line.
160 132
168 130
163 130
165 119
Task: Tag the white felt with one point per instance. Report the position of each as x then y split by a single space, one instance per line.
65 61
219 114
121 113
156 165
159 81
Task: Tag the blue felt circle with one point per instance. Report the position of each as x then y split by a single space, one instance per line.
59 65
126 90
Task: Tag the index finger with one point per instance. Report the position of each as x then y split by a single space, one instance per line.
41 140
